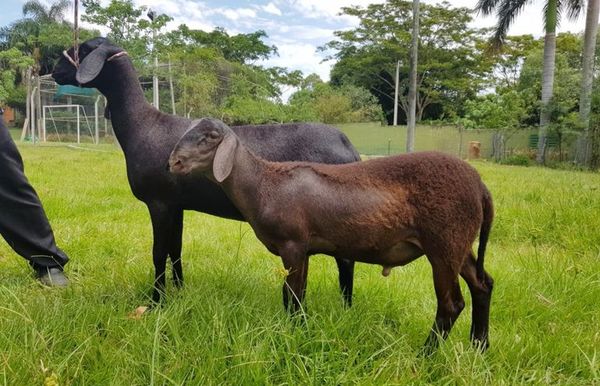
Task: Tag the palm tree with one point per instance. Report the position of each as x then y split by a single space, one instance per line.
36 11
26 32
506 11
589 47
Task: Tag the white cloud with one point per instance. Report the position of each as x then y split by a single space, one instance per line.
300 56
272 9
235 14
327 9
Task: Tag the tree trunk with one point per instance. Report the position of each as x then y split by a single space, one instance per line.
587 81
594 138
547 77
412 88
589 46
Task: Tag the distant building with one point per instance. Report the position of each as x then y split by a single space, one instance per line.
9 115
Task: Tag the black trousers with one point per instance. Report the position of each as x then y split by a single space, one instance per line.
23 222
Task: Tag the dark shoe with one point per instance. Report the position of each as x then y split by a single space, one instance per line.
52 277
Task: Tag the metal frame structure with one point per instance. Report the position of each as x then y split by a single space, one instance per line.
41 101
77 119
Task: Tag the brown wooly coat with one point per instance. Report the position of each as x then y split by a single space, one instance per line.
386 211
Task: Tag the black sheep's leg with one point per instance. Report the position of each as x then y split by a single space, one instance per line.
160 215
175 247
346 272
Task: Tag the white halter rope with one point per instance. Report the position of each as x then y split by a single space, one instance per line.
76 63
117 55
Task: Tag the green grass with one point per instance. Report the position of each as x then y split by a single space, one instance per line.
227 326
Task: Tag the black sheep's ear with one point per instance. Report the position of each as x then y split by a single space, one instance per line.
92 64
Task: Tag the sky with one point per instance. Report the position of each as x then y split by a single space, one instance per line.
296 27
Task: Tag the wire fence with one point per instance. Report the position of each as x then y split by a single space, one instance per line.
374 139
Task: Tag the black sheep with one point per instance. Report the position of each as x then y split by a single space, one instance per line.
147 137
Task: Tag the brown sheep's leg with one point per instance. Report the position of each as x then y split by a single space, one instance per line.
175 247
450 303
481 294
346 271
295 261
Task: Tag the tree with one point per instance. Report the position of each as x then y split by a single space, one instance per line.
241 48
566 86
508 60
589 46
12 63
46 14
507 10
320 101
130 28
42 33
495 111
451 68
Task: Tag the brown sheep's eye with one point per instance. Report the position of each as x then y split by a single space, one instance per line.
213 135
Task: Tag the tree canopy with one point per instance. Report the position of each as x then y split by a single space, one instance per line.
452 65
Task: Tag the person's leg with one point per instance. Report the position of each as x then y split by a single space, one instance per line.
23 222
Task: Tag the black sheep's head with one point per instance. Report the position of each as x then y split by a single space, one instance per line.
93 55
208 146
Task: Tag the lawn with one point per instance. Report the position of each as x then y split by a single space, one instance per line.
227 326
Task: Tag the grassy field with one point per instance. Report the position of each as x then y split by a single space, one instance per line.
227 326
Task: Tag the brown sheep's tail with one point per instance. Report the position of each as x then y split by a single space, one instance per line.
486 226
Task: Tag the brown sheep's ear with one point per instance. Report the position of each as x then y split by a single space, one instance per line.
92 64
224 157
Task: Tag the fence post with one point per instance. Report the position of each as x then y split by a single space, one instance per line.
78 132
460 141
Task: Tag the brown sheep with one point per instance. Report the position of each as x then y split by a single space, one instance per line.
387 211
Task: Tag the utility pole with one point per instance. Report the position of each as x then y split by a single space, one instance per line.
396 94
171 87
155 101
412 88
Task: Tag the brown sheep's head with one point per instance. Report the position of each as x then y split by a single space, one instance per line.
207 146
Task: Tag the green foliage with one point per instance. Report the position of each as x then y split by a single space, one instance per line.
326 103
12 63
451 66
495 111
508 60
42 34
567 81
130 27
248 110
516 160
241 48
508 10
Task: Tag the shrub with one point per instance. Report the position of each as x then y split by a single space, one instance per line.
517 160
